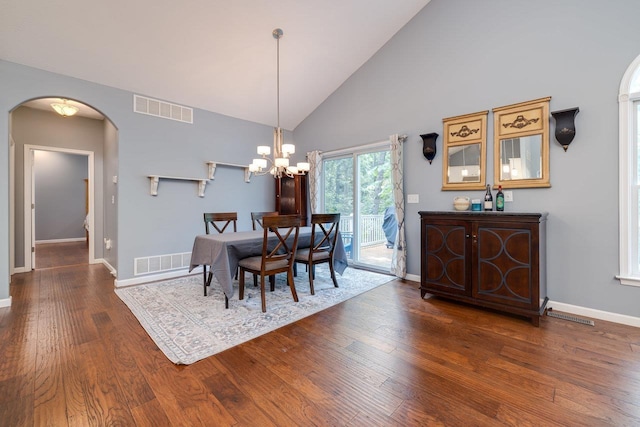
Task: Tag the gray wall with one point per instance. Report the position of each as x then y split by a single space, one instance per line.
462 56
143 145
59 195
43 128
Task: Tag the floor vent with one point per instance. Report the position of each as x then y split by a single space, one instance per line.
160 263
154 107
569 318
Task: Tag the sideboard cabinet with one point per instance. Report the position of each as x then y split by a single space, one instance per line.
490 259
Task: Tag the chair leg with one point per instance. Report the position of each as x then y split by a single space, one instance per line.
226 301
204 279
333 273
272 282
292 284
311 275
255 280
263 295
241 284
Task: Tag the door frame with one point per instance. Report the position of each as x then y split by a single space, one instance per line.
29 194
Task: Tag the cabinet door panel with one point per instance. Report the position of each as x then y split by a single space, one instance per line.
445 253
503 265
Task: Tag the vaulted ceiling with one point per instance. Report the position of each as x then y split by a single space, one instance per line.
217 55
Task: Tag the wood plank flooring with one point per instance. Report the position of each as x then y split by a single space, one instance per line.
72 354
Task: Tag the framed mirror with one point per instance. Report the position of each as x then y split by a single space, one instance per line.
521 144
465 152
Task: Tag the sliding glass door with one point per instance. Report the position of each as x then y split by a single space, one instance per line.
358 186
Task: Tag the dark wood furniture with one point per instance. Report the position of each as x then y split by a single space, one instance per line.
291 197
256 219
490 259
278 258
324 235
219 221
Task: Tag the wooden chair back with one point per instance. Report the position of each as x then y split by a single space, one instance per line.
324 233
274 256
220 221
256 218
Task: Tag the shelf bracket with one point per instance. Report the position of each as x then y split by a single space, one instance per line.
155 180
212 169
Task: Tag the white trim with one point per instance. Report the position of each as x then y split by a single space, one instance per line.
6 302
104 262
596 314
28 184
12 205
626 162
629 281
413 278
69 240
155 277
20 270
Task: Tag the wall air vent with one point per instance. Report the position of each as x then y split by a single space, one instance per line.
155 107
160 263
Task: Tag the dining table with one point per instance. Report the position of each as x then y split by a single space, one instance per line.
222 252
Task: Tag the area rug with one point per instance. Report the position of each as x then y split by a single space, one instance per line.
188 326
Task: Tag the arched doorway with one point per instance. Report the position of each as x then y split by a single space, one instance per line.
36 127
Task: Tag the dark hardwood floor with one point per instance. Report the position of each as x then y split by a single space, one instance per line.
60 254
71 353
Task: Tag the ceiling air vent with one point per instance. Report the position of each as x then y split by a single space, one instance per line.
154 107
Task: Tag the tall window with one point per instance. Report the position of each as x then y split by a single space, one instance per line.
629 100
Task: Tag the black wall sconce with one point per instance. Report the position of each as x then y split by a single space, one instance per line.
429 145
565 126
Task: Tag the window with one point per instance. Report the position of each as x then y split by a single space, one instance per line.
629 100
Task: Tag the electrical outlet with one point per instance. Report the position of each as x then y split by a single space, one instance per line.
413 198
508 196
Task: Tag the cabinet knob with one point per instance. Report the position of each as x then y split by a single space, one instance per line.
468 235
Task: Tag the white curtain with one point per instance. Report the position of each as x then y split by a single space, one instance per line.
315 169
399 257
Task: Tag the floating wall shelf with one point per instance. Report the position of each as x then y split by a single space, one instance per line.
213 165
155 179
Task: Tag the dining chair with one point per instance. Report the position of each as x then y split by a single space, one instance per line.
324 234
256 218
277 255
219 221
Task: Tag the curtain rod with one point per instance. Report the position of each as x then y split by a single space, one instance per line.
401 138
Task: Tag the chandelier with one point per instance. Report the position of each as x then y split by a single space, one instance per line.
64 109
278 166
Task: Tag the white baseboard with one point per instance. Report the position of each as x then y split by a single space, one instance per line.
413 277
155 277
20 270
577 310
73 239
104 262
6 302
595 314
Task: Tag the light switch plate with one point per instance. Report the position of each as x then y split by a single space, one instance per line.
413 198
508 196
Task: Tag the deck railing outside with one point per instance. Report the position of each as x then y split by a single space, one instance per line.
371 232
